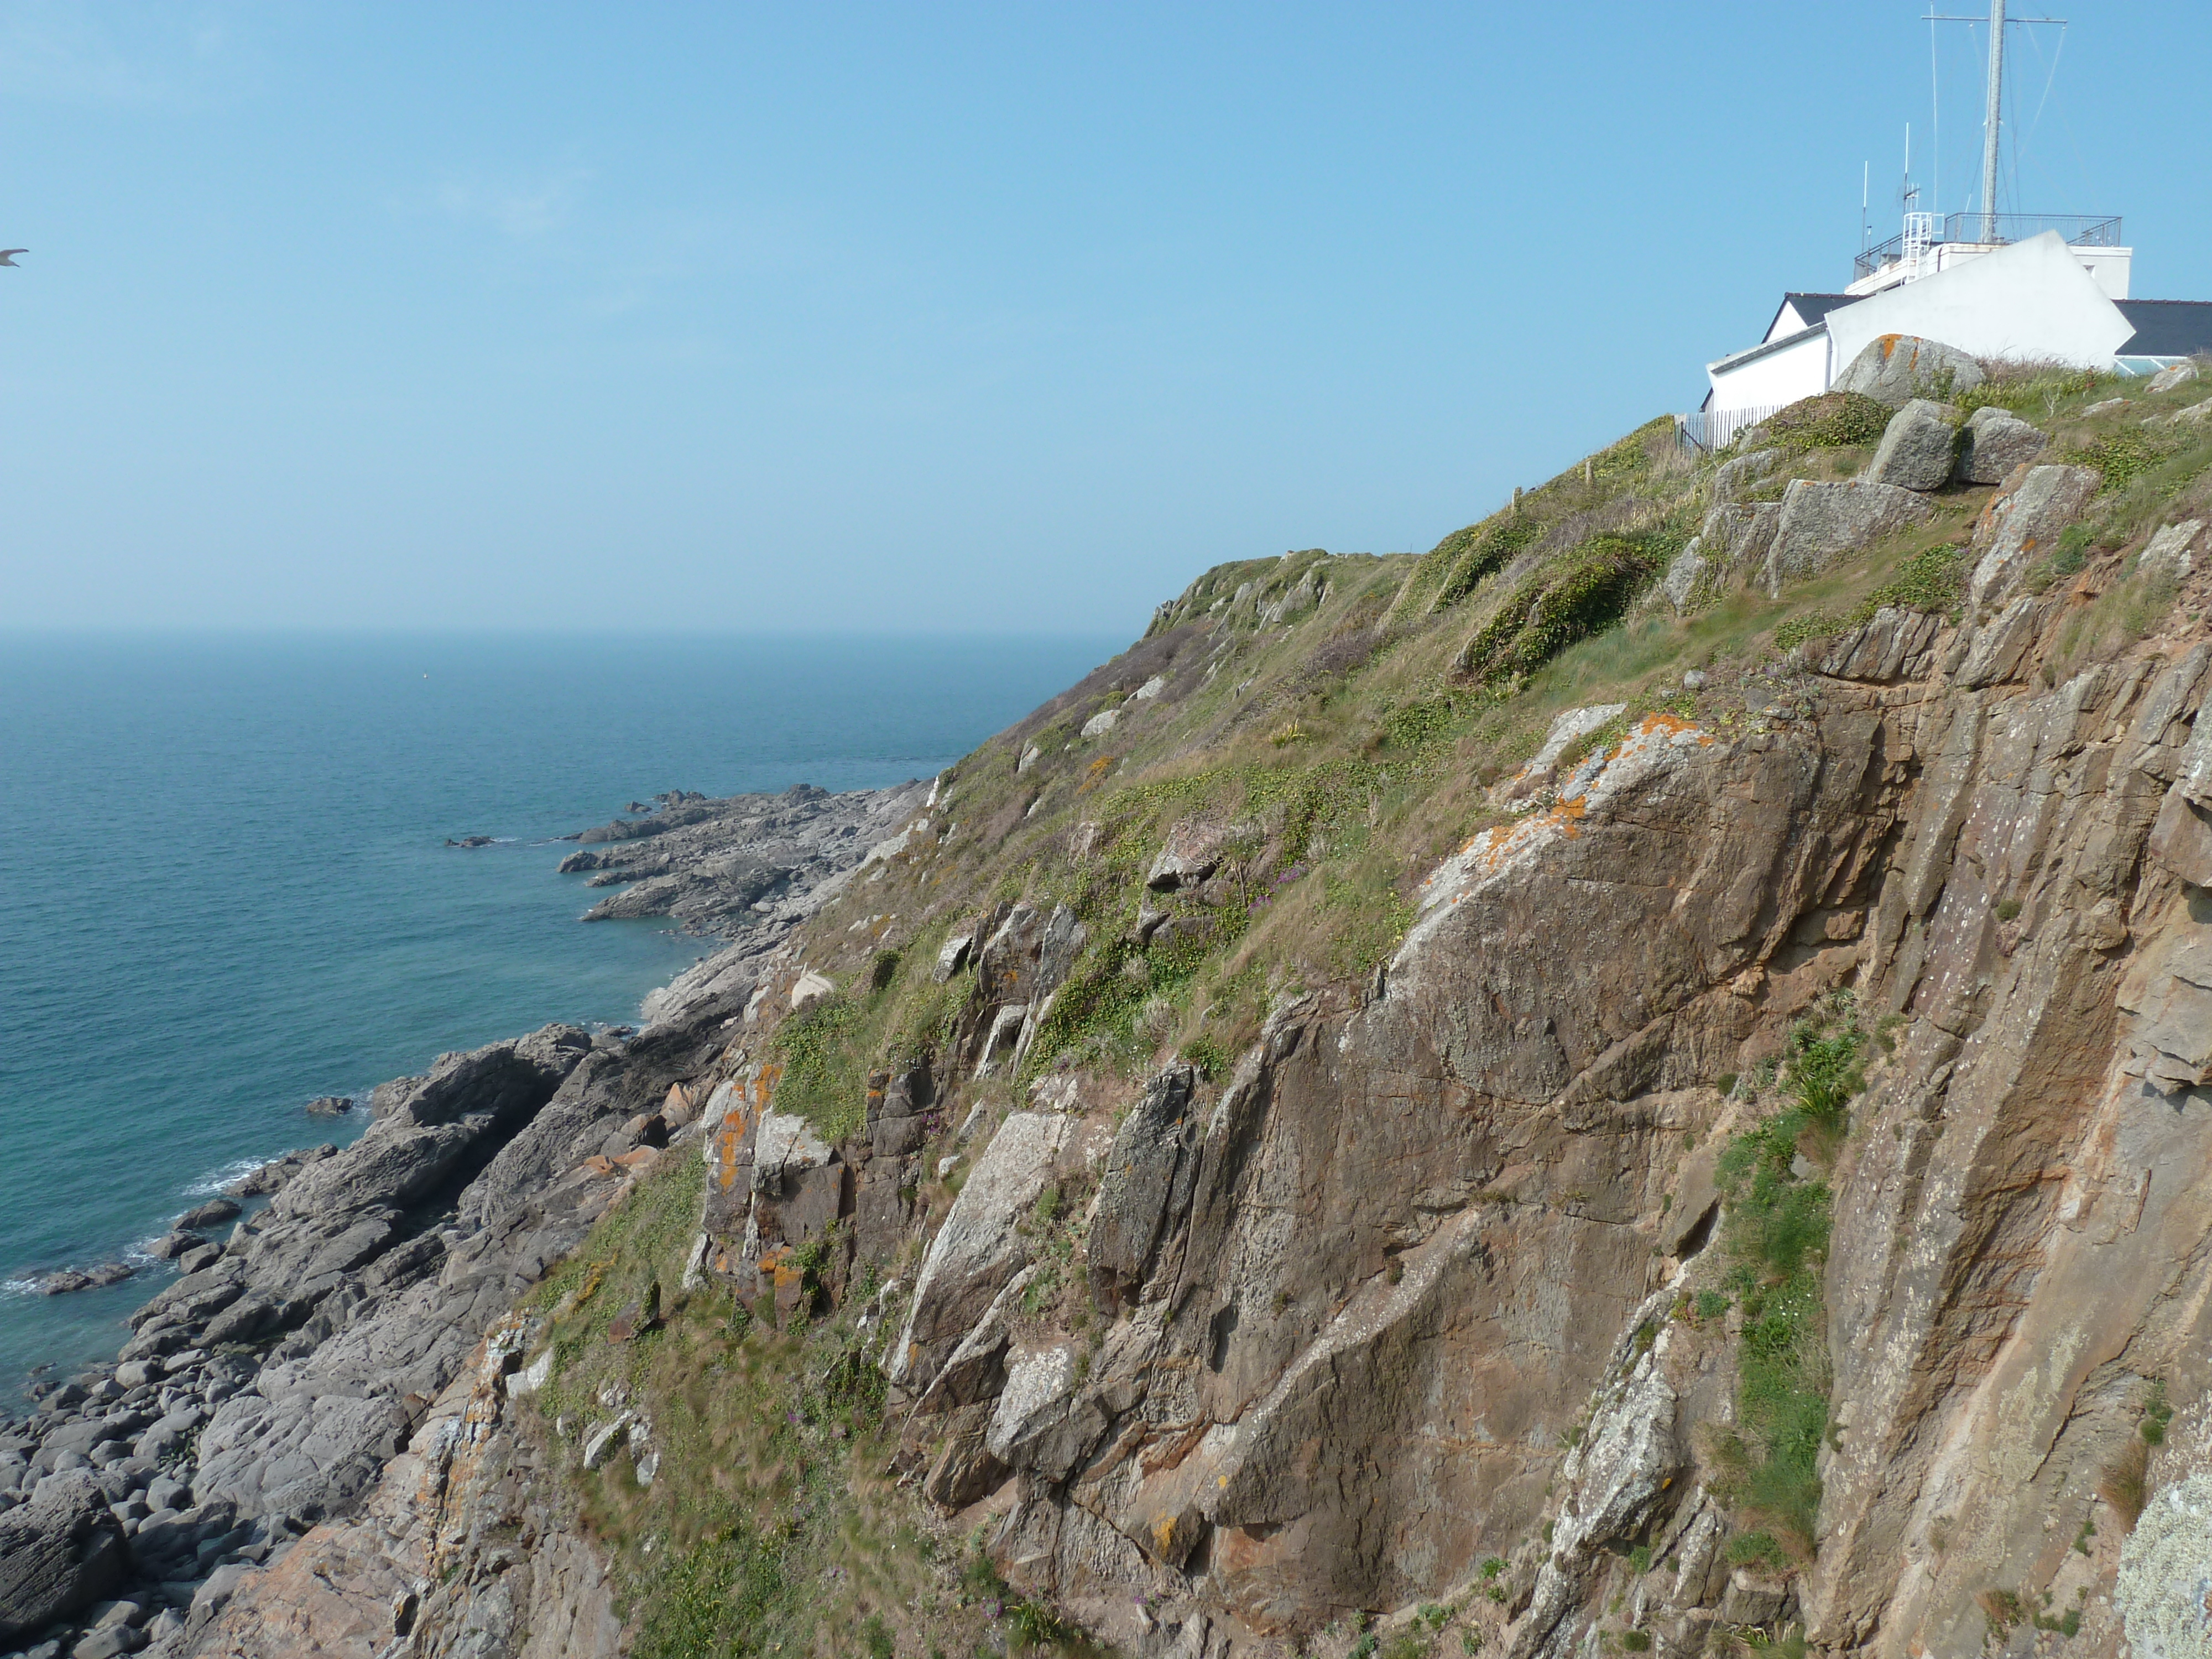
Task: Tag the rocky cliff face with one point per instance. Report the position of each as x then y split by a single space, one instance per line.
1306 1164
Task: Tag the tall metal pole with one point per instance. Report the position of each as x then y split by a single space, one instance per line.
1989 121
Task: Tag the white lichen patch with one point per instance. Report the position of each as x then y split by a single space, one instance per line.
2165 1587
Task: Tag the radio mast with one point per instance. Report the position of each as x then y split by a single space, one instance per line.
1990 120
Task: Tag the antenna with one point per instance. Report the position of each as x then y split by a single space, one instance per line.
1934 118
1993 108
1990 120
1866 188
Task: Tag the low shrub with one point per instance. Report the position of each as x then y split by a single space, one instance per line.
1829 422
1481 555
1585 593
824 1074
2122 457
1933 581
1757 1549
2121 1482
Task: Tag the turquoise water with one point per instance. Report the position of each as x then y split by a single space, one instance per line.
224 890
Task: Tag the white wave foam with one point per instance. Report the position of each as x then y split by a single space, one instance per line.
209 1186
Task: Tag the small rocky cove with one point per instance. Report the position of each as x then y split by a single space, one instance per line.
1636 1084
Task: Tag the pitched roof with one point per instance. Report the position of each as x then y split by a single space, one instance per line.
2167 328
1811 308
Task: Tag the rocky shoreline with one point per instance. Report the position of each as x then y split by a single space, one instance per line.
268 1388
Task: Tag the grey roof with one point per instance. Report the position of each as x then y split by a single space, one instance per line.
1813 309
2167 328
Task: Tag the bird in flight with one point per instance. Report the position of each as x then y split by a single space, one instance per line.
8 254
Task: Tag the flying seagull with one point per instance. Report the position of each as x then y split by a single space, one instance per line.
8 254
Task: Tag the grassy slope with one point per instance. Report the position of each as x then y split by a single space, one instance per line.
1354 746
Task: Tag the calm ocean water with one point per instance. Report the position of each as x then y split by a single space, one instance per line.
224 890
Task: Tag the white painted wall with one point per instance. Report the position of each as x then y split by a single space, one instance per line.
2031 300
1787 322
1768 379
2108 266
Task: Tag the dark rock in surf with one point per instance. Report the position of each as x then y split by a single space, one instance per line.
212 1213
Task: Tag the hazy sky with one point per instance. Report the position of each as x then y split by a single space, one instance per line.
920 317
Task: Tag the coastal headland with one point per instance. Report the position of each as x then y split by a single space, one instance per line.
1635 1083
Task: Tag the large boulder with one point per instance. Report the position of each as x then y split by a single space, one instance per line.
1917 447
1897 368
2021 524
1822 523
59 1553
1732 536
1993 442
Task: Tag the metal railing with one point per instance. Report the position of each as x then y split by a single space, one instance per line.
1709 429
2080 229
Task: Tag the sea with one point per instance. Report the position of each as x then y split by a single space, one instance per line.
225 888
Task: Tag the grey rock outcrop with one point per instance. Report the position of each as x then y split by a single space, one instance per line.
1738 473
1994 441
748 869
1822 523
1898 367
1918 448
1732 538
978 1250
59 1553
726 866
365 1287
1191 853
2022 524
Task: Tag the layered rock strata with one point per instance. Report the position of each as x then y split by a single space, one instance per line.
1432 1297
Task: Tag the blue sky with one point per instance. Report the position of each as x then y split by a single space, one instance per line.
841 318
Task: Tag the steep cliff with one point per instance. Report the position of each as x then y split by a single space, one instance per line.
1635 1082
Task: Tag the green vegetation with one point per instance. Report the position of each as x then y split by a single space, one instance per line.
1480 551
1778 1236
1932 579
1554 607
771 1525
2034 391
1758 1549
2110 623
1351 747
2122 457
1828 422
2156 1415
822 1065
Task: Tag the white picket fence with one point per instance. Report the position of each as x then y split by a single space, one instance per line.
1715 428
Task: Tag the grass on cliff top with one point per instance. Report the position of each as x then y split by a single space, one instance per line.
770 1526
1357 753
1357 741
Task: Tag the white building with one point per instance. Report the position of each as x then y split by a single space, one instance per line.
1930 244
1997 286
2039 299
